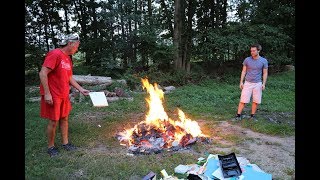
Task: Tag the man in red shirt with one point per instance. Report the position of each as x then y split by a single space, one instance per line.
56 78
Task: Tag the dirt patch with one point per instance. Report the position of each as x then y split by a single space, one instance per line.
274 155
280 118
92 117
103 149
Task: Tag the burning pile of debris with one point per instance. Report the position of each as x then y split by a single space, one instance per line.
158 132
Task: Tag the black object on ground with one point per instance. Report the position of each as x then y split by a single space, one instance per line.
193 177
149 176
229 165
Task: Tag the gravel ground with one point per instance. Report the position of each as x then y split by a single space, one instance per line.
274 155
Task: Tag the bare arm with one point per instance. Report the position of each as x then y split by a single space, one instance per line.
77 86
43 75
264 78
243 73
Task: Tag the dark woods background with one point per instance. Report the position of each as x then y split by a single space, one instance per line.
174 42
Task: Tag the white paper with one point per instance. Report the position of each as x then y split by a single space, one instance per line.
98 99
242 161
218 174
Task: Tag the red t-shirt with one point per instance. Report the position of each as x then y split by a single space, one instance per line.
59 77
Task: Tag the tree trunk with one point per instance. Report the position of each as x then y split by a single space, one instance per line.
54 41
123 35
213 13
92 80
149 11
94 17
131 56
224 13
135 30
191 12
80 11
168 17
177 35
217 14
66 17
65 4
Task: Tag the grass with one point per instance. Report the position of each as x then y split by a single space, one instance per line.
210 100
269 128
290 171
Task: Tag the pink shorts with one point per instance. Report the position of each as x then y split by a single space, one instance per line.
251 89
61 108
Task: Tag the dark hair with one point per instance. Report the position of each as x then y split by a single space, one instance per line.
258 46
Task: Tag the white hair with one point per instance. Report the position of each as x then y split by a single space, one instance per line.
64 39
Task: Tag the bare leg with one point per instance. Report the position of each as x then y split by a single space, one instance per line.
51 132
240 107
64 129
254 108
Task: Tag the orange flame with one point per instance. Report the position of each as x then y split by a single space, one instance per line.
156 116
188 125
156 110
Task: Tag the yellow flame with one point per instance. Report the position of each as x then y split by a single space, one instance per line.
191 127
126 136
156 110
178 136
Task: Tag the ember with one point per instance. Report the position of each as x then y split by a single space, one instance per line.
158 132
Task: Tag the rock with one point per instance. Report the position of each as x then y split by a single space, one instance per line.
289 68
169 88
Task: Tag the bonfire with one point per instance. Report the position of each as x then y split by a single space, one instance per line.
159 132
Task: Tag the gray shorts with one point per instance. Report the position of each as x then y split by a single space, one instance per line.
251 89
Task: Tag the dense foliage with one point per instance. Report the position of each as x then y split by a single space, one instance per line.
122 36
